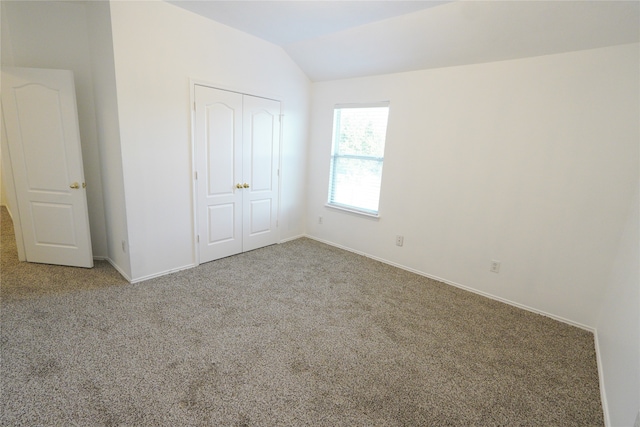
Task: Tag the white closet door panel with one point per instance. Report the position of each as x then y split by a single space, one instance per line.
60 214
43 145
220 147
218 154
222 220
260 220
262 150
261 142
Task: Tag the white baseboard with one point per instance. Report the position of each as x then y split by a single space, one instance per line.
175 270
288 239
603 392
162 273
118 269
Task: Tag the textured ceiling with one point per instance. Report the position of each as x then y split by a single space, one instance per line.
340 39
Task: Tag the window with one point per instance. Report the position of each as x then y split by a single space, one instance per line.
359 133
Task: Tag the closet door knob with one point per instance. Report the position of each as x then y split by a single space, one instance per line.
245 185
239 186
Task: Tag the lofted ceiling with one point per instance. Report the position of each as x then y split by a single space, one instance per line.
341 39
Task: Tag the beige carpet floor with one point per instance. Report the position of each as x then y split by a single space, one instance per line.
297 334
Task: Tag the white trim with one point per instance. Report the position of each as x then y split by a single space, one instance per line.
10 189
163 273
458 285
603 392
194 181
257 93
353 211
280 151
289 239
119 270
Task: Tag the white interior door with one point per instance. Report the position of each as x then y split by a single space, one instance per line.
261 144
237 139
218 158
41 119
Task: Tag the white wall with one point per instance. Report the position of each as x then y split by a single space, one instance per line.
531 162
158 47
108 133
54 35
619 327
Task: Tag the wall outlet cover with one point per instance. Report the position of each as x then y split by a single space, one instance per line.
495 266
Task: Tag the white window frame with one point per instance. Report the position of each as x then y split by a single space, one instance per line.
348 208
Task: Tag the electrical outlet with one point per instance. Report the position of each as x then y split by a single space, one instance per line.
320 220
399 240
495 266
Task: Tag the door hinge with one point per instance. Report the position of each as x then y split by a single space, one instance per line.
196 175
194 105
198 238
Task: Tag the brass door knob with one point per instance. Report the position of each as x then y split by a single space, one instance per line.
239 186
75 186
245 185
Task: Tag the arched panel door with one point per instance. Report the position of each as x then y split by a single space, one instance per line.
44 145
237 142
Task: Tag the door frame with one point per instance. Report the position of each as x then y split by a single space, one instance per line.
10 191
193 82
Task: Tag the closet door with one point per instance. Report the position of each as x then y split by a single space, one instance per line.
261 143
237 140
218 159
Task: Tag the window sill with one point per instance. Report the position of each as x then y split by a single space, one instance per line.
353 211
